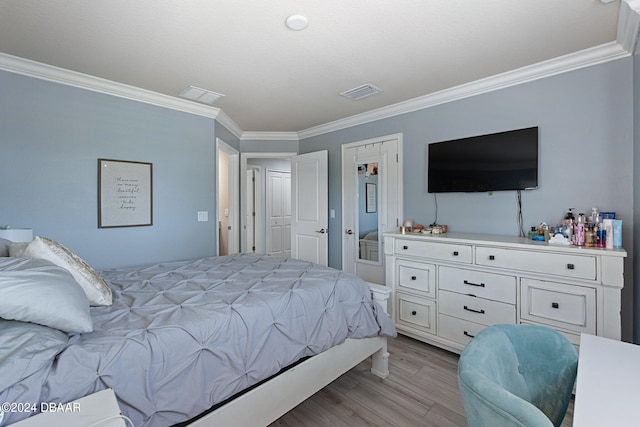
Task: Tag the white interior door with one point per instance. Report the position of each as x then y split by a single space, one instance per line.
372 202
278 208
310 202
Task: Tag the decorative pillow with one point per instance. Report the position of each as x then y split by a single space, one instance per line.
94 286
26 348
4 247
37 291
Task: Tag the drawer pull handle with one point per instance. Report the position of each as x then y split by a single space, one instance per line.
475 311
469 335
455 253
413 313
481 285
492 257
555 305
571 266
405 247
414 278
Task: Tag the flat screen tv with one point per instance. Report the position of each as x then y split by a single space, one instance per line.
495 162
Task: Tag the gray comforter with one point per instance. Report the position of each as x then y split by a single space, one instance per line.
183 336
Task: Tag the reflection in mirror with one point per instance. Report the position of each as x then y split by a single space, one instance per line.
368 211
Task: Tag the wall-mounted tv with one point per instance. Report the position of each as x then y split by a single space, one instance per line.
495 162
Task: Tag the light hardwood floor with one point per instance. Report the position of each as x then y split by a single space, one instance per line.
421 390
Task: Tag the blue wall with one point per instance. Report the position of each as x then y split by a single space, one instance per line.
585 120
51 136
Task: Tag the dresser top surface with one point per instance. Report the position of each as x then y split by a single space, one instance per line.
506 241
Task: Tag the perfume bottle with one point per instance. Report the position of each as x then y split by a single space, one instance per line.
580 229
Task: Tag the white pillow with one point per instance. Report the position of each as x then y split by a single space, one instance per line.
38 291
93 285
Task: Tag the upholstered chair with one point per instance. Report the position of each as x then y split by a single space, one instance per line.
517 375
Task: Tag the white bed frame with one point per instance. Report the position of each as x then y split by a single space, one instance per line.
266 403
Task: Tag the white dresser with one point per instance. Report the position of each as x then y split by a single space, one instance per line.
446 288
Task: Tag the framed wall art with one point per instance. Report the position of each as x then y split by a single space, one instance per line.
125 195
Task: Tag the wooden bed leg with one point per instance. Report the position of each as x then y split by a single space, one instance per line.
380 362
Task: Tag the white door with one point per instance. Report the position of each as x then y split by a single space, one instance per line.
278 208
310 202
372 202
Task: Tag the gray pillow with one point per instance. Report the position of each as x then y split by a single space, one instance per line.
38 291
26 348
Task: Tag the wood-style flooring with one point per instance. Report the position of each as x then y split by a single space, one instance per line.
421 390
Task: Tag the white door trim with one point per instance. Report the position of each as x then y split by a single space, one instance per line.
234 193
243 177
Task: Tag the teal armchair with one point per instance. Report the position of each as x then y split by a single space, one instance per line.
517 375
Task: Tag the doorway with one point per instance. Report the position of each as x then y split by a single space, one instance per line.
254 227
372 203
227 211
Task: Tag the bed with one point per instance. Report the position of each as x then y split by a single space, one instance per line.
187 338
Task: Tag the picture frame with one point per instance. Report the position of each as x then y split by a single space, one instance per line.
125 193
372 197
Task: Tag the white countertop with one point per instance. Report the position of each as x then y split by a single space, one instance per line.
509 241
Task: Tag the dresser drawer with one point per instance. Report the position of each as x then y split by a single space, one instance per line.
434 250
457 330
557 304
475 309
497 287
559 264
416 277
417 313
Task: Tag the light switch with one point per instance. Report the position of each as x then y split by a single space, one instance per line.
332 213
203 216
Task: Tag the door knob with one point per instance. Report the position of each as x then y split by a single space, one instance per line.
348 231
321 231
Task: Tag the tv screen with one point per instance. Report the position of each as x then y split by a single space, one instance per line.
495 162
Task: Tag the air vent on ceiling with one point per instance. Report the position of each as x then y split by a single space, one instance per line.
200 95
361 92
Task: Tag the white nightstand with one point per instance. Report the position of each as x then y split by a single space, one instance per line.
84 412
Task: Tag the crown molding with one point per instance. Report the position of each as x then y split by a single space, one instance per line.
270 136
228 123
628 30
573 61
50 73
629 25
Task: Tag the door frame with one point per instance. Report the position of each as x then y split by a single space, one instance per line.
234 194
350 145
243 176
257 208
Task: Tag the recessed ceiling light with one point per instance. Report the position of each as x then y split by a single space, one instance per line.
201 95
297 22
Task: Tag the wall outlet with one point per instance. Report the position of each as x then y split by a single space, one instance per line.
203 216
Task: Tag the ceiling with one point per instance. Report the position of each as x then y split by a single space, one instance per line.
278 80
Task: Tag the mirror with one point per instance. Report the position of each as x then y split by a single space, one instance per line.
368 246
